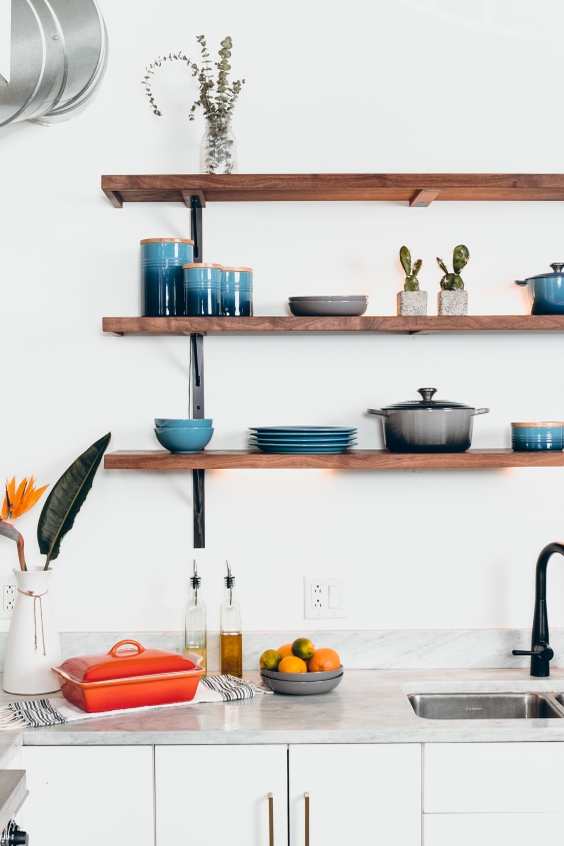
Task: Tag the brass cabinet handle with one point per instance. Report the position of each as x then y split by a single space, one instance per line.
270 819
306 797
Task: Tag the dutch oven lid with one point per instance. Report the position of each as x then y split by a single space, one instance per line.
427 401
557 268
121 663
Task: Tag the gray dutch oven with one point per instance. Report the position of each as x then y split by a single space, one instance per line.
427 425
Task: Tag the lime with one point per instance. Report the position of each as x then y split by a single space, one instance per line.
303 648
270 659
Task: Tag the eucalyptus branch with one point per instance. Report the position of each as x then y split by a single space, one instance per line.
217 99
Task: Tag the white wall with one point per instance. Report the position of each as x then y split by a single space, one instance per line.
382 86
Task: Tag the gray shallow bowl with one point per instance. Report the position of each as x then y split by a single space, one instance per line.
307 677
328 308
300 688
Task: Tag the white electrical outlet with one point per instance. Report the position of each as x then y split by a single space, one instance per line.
9 591
324 597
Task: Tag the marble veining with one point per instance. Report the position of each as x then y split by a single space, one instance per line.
409 649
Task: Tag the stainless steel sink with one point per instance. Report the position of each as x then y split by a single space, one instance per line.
487 706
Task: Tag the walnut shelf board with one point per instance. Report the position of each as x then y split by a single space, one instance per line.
356 459
419 189
401 325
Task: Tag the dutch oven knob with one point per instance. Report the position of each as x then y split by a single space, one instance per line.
427 393
558 266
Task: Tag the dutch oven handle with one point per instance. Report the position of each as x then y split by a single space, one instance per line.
377 411
114 650
521 282
480 411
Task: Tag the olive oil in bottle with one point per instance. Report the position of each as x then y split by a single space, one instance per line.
231 630
195 631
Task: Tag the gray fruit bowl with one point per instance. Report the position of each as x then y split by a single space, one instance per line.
352 306
301 684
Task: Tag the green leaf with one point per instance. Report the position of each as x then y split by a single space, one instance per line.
66 499
405 258
417 267
460 258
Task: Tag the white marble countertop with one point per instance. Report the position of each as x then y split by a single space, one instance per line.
369 706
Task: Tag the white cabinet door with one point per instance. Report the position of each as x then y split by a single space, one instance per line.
217 795
358 794
88 795
492 829
492 777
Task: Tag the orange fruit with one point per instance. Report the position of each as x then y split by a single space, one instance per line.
285 650
291 664
303 648
322 660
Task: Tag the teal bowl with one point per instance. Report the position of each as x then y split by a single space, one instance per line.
184 440
184 423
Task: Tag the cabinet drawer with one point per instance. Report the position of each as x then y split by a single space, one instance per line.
491 829
492 777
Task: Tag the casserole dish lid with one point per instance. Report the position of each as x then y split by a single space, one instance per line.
127 659
426 401
557 268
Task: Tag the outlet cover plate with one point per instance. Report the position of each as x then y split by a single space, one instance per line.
7 596
324 597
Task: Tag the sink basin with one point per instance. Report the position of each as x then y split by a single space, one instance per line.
485 706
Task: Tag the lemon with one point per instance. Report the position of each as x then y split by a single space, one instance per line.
270 659
303 648
291 664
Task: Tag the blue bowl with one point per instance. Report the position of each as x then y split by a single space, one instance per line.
184 440
185 423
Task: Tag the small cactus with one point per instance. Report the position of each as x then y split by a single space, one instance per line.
411 280
453 281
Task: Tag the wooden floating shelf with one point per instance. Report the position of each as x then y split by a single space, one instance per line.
419 189
401 325
354 459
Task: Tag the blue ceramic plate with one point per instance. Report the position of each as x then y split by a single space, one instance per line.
302 441
305 430
301 450
309 445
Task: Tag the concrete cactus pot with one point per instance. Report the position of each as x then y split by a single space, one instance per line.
453 302
411 303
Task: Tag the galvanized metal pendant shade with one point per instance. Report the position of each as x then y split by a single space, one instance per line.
58 56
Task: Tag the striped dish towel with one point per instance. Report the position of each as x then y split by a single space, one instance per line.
55 710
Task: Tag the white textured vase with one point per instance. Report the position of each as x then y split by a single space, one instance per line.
33 640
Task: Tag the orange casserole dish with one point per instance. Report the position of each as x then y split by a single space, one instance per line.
128 678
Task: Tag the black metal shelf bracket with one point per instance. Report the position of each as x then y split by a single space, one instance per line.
196 402
196 227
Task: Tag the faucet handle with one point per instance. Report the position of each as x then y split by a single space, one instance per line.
542 650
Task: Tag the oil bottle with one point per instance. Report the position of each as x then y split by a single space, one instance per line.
195 631
231 630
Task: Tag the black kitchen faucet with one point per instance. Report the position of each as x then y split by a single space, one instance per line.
540 652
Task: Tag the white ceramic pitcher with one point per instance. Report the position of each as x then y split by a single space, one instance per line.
33 640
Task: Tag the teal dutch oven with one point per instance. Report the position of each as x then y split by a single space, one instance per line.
546 290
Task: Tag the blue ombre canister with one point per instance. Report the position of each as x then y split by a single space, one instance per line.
162 282
202 289
237 291
546 435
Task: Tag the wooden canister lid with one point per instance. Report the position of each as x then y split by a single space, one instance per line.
200 264
240 269
536 425
167 241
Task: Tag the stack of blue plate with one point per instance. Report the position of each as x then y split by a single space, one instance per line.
302 439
